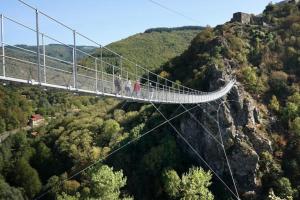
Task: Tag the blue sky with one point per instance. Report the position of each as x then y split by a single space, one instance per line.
110 20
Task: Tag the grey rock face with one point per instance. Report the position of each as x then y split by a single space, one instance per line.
238 120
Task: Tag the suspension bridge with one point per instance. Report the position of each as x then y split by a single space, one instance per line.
34 65
25 64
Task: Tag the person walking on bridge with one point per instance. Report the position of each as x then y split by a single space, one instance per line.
137 88
151 90
118 85
128 87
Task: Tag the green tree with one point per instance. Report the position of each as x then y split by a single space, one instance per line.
171 182
109 129
71 186
161 156
192 185
295 126
76 145
106 184
2 125
8 192
43 161
291 160
278 83
274 104
292 108
283 188
251 80
290 112
65 196
27 177
195 183
272 196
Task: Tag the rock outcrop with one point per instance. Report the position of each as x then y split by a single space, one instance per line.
239 121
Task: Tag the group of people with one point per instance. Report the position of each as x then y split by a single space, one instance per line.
136 91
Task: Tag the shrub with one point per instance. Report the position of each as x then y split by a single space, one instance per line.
274 104
278 83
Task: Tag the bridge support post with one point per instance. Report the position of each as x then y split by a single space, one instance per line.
121 65
2 44
44 58
96 78
157 82
174 93
101 65
166 92
148 77
136 75
38 45
121 72
113 79
169 97
164 97
74 61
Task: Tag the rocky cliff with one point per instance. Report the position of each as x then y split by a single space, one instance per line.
240 125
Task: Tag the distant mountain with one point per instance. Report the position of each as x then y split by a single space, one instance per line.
182 28
61 51
155 46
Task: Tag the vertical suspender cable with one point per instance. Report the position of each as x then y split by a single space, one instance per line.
121 74
2 44
44 59
157 82
148 77
101 65
38 45
113 78
121 67
136 71
96 75
74 61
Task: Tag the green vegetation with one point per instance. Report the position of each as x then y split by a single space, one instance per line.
152 48
55 50
192 185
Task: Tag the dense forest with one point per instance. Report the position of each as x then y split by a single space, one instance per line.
82 130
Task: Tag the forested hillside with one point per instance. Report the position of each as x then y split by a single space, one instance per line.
265 59
154 47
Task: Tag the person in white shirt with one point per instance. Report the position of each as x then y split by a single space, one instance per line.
128 87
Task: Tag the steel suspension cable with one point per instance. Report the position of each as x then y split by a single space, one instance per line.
226 157
174 11
195 151
221 138
205 129
221 143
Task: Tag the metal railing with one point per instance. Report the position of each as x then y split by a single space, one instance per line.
100 75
